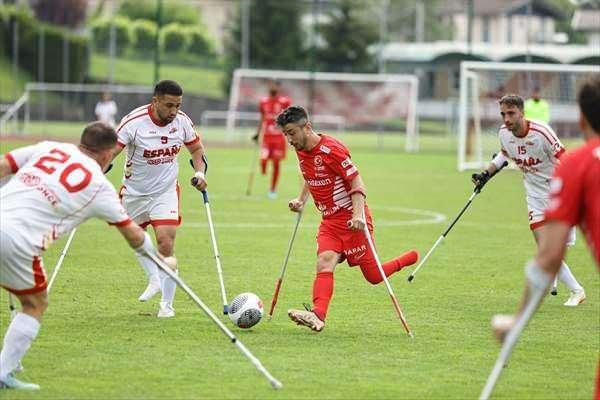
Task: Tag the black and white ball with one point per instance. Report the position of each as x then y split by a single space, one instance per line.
246 310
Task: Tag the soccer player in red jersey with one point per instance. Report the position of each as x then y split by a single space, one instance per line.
575 200
272 145
339 194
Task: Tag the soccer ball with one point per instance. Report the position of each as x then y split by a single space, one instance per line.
246 310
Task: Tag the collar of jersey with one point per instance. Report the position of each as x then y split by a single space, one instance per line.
155 121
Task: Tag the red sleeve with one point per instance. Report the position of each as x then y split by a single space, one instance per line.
11 161
339 161
566 191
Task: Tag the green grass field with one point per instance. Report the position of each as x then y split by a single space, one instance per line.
97 341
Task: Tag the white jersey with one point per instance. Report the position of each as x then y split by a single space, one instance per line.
106 111
56 187
151 150
536 154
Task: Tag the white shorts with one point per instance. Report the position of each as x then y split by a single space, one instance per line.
161 209
536 207
21 272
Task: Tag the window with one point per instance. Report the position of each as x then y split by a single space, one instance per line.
485 29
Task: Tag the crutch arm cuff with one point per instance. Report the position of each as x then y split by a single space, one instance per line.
359 189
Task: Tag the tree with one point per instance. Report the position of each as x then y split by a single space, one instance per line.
347 35
276 37
69 13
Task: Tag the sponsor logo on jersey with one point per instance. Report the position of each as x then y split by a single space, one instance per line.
318 182
529 143
527 162
173 130
318 161
325 149
29 179
164 152
360 249
347 162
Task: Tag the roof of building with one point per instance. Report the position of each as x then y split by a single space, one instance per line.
504 7
586 20
435 51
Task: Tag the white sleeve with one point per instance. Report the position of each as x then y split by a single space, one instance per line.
108 208
123 134
19 157
189 132
499 160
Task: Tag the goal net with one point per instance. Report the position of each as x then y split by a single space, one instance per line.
483 83
63 109
377 103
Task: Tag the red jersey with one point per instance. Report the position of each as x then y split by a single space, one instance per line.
328 171
269 108
575 192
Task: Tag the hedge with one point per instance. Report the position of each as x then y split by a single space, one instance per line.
101 33
55 39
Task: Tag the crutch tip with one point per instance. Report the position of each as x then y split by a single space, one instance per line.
276 384
411 335
554 292
225 310
410 278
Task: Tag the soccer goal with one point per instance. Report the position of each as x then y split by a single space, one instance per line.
212 123
483 83
62 109
378 103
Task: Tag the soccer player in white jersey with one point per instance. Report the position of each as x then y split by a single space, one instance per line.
56 187
535 149
152 136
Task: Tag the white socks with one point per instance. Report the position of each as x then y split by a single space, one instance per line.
168 287
566 277
20 333
148 265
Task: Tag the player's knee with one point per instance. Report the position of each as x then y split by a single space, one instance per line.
327 261
164 244
35 304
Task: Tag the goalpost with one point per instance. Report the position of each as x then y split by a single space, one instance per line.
483 83
364 102
61 109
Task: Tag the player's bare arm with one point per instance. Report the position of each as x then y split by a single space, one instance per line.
297 204
547 263
357 194
197 153
5 168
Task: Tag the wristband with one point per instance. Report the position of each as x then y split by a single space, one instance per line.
200 175
359 189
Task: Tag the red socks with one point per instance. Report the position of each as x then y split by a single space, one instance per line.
263 166
275 176
372 274
322 293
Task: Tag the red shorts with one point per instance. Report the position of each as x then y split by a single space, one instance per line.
273 147
334 235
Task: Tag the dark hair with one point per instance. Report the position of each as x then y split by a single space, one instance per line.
589 101
98 136
512 100
168 87
292 115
